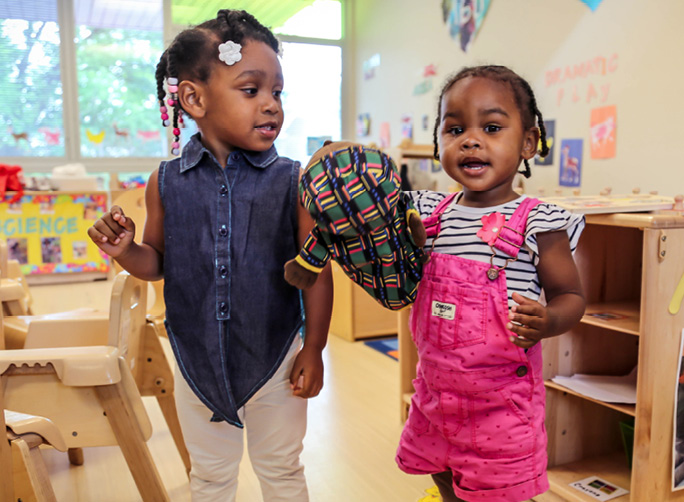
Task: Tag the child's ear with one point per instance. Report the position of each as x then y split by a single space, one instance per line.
191 98
530 143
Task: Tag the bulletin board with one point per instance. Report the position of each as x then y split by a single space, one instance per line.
47 233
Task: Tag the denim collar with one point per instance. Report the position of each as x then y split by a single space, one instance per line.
194 151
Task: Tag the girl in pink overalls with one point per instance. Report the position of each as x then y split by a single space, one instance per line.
476 422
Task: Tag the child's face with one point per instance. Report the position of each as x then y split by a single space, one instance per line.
242 106
482 141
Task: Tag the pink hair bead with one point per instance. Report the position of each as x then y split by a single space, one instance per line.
163 109
176 131
175 144
171 102
165 116
173 88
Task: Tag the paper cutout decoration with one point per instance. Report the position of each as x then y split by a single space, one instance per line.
550 126
464 18
423 87
51 137
95 138
603 132
593 4
18 135
570 163
430 71
147 135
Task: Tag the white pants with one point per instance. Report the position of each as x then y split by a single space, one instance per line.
275 423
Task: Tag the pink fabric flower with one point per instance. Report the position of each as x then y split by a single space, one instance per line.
491 226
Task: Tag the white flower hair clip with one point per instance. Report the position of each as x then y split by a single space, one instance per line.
229 52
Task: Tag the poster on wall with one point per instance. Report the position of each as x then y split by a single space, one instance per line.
570 173
385 135
603 132
407 126
464 19
550 127
47 233
363 124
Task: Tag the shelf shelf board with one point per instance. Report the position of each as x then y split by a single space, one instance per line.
627 409
628 324
612 468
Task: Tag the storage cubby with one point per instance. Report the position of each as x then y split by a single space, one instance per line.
630 265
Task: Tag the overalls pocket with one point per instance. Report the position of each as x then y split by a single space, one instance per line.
501 421
449 315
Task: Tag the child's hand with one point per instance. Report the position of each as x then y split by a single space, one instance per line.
529 321
298 276
417 229
113 232
306 378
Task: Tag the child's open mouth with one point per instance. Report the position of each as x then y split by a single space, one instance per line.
474 167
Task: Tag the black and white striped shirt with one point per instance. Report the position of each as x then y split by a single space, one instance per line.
460 225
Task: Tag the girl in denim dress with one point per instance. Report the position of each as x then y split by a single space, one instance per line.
222 220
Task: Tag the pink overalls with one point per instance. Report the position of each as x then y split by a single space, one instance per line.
478 409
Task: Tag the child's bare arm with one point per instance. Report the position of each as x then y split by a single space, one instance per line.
563 290
307 374
114 233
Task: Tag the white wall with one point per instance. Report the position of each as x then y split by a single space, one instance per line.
642 40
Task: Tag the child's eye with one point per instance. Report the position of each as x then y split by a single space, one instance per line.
492 128
455 130
277 94
250 90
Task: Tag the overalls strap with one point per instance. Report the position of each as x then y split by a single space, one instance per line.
512 235
433 222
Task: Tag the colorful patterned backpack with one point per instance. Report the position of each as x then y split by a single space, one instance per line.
362 222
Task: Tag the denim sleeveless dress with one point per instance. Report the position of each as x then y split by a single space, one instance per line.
230 314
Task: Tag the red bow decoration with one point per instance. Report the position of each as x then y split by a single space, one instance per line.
11 179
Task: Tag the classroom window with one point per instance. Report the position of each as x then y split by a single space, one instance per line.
78 82
311 99
118 46
30 84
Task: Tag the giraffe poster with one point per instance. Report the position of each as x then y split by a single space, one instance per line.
570 163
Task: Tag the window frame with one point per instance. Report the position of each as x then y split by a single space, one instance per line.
71 111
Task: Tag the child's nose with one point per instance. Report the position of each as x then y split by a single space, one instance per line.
470 141
271 105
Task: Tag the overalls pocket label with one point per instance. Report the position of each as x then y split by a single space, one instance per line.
443 310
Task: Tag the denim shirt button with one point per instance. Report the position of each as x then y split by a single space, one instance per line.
223 308
223 190
223 270
223 231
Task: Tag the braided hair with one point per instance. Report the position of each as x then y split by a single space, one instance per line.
522 93
194 50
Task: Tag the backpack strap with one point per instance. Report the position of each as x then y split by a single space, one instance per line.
433 223
512 235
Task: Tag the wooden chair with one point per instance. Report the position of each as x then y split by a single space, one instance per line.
132 201
152 374
25 434
90 393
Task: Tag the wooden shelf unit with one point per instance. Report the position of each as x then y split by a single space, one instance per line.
630 264
355 314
